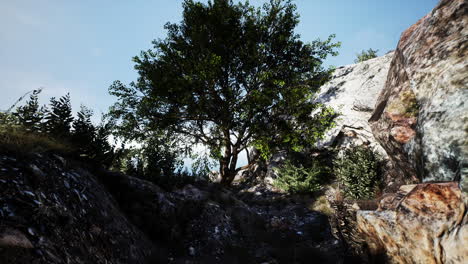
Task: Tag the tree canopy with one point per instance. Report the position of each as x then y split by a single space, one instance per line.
229 76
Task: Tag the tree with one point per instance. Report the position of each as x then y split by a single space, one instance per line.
30 116
83 135
102 151
229 76
366 55
59 118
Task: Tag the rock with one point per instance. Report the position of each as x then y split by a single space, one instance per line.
57 225
275 161
14 238
353 91
421 115
424 223
190 192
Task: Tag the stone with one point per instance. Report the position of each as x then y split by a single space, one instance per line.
14 238
353 92
424 223
421 115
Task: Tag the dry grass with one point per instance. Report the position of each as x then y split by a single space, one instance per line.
322 205
14 139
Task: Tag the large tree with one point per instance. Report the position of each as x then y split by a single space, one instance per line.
229 76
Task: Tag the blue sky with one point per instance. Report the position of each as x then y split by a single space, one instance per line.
82 46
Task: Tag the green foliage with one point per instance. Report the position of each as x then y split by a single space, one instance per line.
7 121
358 170
59 118
229 76
51 129
366 55
161 155
157 160
30 115
83 131
297 179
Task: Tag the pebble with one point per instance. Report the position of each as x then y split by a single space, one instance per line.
192 251
29 193
31 231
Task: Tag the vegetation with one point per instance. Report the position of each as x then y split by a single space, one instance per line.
297 179
16 140
33 128
406 104
321 204
366 55
229 76
358 170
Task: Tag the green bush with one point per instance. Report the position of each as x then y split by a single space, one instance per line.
366 55
297 179
358 170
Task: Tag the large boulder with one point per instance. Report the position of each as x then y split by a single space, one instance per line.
353 92
423 223
421 121
421 117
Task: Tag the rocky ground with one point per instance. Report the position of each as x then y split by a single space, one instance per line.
54 210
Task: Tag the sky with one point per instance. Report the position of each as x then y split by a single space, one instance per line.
82 46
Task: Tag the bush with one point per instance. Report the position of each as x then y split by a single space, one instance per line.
297 179
366 55
358 170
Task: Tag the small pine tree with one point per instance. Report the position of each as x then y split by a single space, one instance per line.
83 131
358 170
59 118
30 116
102 151
297 179
366 55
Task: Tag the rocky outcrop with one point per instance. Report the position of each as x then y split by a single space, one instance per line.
421 121
423 223
353 91
421 115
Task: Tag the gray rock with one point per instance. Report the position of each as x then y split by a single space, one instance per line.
353 91
421 115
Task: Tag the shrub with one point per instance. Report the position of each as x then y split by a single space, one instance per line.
358 170
366 55
297 179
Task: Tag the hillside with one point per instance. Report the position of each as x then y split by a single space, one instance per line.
386 184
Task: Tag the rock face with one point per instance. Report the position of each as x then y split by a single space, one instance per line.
353 91
421 121
423 223
421 117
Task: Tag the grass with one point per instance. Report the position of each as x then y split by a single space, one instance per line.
18 141
322 205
